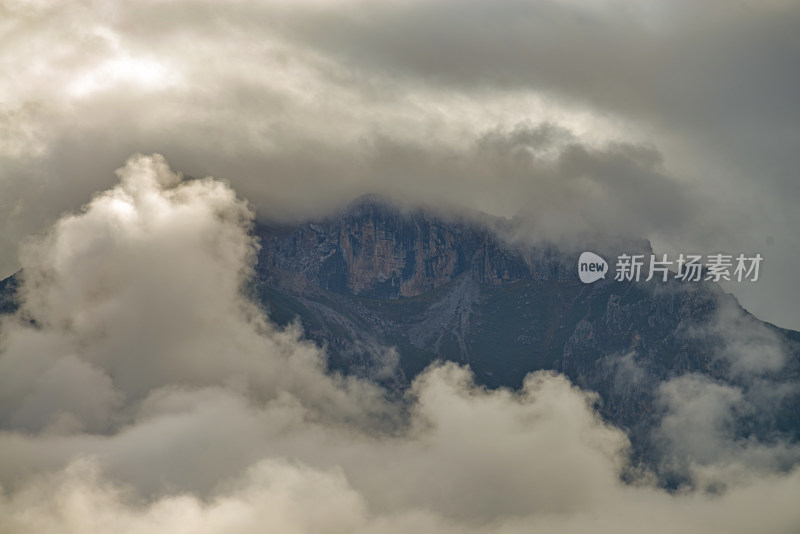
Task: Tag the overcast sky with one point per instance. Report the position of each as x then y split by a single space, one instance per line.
674 121
140 391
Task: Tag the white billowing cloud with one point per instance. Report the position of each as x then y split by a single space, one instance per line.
536 470
140 391
143 285
475 461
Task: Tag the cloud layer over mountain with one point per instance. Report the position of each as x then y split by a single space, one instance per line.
141 391
670 120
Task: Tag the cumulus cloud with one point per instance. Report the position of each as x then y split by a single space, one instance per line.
143 286
142 391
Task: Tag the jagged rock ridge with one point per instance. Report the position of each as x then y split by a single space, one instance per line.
388 290
380 278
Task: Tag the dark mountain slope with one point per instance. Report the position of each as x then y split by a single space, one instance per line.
378 278
388 290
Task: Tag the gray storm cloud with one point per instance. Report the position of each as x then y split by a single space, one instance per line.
143 392
680 117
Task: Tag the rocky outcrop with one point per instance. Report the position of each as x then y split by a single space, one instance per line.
375 248
380 278
388 290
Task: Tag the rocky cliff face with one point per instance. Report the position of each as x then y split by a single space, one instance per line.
376 249
389 290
